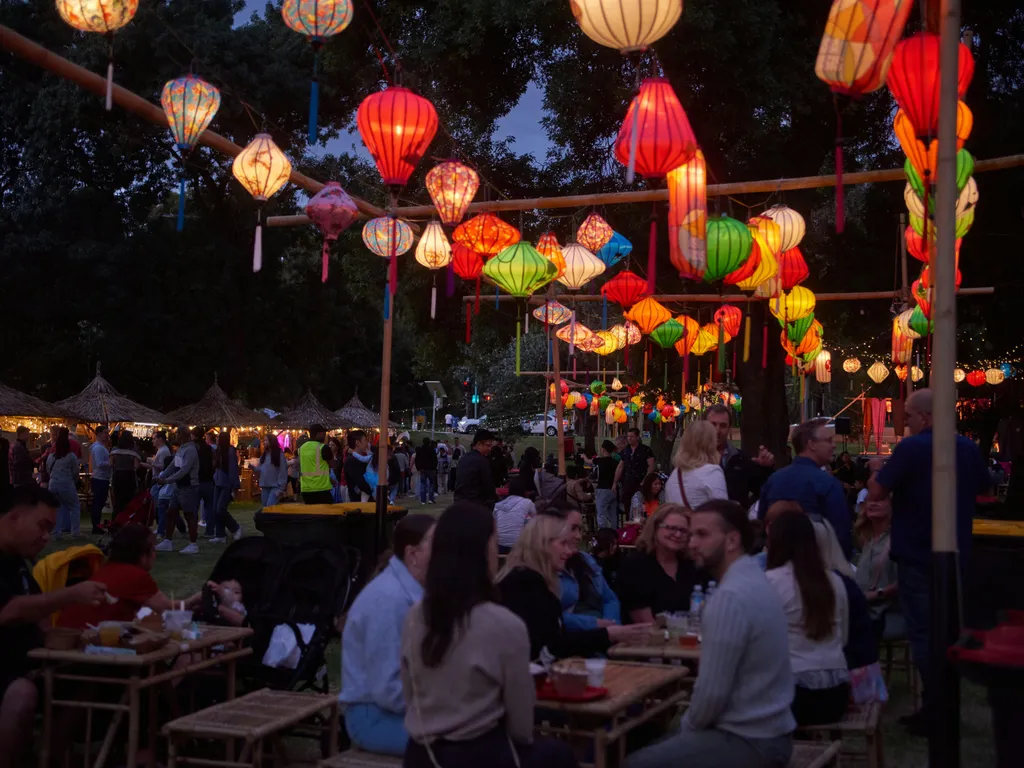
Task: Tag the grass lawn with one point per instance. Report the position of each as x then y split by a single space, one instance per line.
183 575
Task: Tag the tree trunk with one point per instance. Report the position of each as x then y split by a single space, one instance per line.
764 420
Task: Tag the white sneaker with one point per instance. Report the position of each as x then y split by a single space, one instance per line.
202 523
191 549
237 534
164 546
216 540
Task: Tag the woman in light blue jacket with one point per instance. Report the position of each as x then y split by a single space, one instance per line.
63 466
226 480
272 471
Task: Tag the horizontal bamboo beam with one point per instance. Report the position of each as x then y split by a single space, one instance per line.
715 298
132 102
649 195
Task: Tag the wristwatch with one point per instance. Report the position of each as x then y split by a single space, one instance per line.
879 593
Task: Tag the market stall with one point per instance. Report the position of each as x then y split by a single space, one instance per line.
100 403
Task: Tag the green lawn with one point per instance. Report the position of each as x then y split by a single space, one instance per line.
183 575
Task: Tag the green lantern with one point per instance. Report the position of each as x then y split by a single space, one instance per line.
603 402
796 330
519 270
964 171
728 246
668 333
597 387
920 324
964 222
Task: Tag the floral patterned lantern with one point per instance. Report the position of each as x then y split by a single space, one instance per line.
332 211
627 334
434 252
553 312
581 266
707 340
994 376
626 25
397 126
387 235
451 186
548 247
594 233
625 289
262 168
486 234
914 80
574 333
190 104
851 365
104 17
608 343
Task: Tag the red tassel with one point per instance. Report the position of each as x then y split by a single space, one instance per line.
652 251
469 320
734 360
477 308
764 347
323 261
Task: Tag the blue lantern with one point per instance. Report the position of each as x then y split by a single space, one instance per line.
615 250
1007 370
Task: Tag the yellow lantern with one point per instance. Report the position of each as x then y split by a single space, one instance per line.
626 25
994 376
901 372
262 168
792 306
823 367
878 372
648 315
571 400
916 374
791 226
609 343
434 252
770 232
766 269
616 384
104 17
581 266
452 186
851 365
707 340
902 347
959 374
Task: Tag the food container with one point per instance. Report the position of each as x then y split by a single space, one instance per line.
62 639
570 677
110 633
152 622
595 672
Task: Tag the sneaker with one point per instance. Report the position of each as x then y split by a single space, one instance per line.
237 534
164 546
215 540
202 523
191 549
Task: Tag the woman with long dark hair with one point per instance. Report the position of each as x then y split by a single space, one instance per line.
62 466
465 660
125 461
226 480
815 603
272 471
646 501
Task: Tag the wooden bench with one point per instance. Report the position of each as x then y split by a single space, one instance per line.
807 754
860 722
356 758
894 656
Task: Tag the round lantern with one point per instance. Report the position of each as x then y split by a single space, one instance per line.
581 403
919 324
571 399
851 365
770 233
903 322
434 252
332 211
728 246
519 270
767 267
792 268
687 216
902 346
615 250
747 269
397 126
594 233
564 388
994 376
729 317
190 104
386 235
548 247
486 234
857 45
976 378
451 186
959 374
913 79
262 168
626 25
625 289
878 372
655 136
553 313
916 374
668 333
923 296
823 367
608 345
104 17
581 266
924 157
796 304
791 226
648 314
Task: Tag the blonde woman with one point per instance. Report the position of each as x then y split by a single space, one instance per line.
529 587
698 475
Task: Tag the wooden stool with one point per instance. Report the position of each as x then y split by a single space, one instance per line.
356 758
860 721
255 719
809 754
895 656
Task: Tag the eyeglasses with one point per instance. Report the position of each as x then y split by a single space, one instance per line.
675 529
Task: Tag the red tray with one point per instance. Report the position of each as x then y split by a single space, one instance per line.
547 692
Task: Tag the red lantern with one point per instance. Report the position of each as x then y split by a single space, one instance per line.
923 296
747 269
468 264
976 378
397 126
914 80
625 289
486 234
916 246
664 139
926 276
729 317
792 268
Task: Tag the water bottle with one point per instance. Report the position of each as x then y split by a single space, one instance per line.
711 590
696 602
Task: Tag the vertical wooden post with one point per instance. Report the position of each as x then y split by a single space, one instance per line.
559 426
385 407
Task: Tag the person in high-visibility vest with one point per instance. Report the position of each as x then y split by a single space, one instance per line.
315 469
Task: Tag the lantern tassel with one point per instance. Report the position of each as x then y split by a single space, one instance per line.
497 304
746 339
433 299
324 256
476 309
840 204
314 99
527 323
686 371
518 329
469 320
449 289
645 366
572 334
387 300
634 136
652 249
721 347
257 250
110 85
181 202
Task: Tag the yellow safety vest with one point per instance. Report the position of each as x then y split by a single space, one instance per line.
315 472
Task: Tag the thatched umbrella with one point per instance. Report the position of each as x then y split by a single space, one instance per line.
310 411
14 403
100 403
216 409
360 415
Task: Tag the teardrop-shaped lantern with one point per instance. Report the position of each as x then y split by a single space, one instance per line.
104 17
397 126
332 211
625 289
626 25
434 252
451 186
913 80
262 168
655 136
581 266
486 234
190 104
594 233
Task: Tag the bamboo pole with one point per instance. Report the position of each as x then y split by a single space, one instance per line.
714 298
132 102
657 195
559 426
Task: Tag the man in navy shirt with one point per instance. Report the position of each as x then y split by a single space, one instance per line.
804 481
907 475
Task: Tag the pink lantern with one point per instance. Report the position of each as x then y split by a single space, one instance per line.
332 211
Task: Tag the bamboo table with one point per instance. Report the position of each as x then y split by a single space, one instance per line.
660 647
258 717
637 693
135 674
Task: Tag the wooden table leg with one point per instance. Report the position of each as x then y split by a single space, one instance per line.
334 723
600 748
230 753
172 751
44 752
151 726
133 721
257 754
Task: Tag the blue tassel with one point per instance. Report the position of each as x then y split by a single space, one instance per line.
387 300
604 313
314 108
550 357
497 304
181 203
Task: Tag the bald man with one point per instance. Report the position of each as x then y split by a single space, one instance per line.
907 475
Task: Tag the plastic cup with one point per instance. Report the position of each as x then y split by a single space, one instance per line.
595 672
176 621
110 633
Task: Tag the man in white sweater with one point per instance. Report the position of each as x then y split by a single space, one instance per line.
740 711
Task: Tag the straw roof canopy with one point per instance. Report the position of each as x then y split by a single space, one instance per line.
15 403
310 411
360 415
100 403
216 409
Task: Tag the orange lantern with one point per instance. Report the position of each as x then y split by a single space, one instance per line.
486 234
691 330
548 247
452 186
729 317
688 215
397 126
976 378
594 233
648 314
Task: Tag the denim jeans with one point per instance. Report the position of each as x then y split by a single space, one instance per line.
69 512
161 513
222 520
712 748
915 601
427 486
376 730
607 508
208 504
269 496
392 492
100 489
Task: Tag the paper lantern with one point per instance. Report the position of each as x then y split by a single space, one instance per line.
626 25
519 270
959 374
859 38
548 247
608 344
451 186
707 340
466 263
902 346
262 168
332 211
916 374
791 226
574 333
796 304
691 329
792 268
901 372
387 235
976 378
616 384
913 79
903 322
767 266
729 317
923 296
687 212
581 266
552 312
397 126
668 333
648 314
878 372
920 324
728 246
924 156
434 252
571 399
916 245
655 136
190 104
823 367
796 330
615 250
926 275
564 388
594 233
104 17
994 376
486 234
627 334
747 269
1007 370
851 365
770 233
582 404
625 289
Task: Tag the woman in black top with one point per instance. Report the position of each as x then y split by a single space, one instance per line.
529 588
659 577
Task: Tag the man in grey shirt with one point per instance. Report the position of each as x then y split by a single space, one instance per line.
184 473
740 711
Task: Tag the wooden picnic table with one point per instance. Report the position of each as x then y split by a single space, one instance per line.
134 673
659 647
637 693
